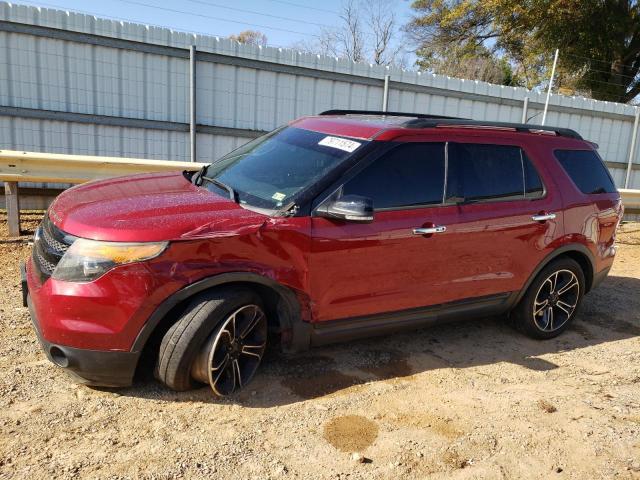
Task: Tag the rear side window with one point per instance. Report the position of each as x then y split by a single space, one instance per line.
481 172
586 170
410 175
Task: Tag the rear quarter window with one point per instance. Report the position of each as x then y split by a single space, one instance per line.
586 170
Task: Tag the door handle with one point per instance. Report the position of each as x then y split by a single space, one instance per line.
429 230
543 217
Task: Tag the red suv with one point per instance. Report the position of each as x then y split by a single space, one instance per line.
333 227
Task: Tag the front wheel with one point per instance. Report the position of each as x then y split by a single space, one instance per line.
229 359
219 340
551 302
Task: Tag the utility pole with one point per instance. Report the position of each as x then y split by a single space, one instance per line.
192 103
385 93
632 148
553 74
525 110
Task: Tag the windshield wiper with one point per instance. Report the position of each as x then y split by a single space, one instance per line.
197 176
232 193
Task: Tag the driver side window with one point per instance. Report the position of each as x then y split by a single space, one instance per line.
410 175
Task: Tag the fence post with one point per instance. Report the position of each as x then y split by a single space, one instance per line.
632 148
385 93
192 102
13 208
525 110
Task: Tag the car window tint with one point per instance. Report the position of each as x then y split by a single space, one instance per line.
586 170
409 175
532 182
481 172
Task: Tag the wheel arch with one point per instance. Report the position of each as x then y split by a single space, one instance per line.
575 251
280 300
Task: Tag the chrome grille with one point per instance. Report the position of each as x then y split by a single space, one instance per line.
45 265
53 243
49 245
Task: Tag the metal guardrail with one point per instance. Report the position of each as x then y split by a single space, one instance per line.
56 168
630 198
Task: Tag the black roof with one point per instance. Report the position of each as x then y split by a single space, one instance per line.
421 120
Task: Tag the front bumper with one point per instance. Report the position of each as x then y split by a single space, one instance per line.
90 367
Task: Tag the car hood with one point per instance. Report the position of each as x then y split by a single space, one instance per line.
149 207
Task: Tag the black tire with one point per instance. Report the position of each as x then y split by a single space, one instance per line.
184 340
523 318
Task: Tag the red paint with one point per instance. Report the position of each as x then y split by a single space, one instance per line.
345 270
148 207
108 313
368 268
347 126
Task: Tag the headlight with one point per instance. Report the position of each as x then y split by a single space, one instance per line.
86 260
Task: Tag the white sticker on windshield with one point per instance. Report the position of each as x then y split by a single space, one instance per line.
339 143
278 196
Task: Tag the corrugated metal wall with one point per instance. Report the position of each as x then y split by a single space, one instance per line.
73 83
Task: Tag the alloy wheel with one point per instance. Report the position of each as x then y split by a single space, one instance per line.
556 300
231 356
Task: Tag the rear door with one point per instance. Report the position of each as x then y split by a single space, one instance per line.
507 219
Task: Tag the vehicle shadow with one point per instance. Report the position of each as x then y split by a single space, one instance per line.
609 313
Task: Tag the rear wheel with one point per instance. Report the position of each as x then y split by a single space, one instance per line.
219 340
551 302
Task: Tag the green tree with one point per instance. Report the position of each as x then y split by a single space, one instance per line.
469 61
599 40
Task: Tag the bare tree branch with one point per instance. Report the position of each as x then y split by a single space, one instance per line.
382 23
366 32
351 37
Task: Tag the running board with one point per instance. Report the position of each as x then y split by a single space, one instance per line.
343 330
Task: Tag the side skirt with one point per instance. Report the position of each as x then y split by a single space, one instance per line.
343 330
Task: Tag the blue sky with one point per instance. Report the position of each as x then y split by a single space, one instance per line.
285 22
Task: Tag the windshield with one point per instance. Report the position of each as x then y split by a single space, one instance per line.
269 171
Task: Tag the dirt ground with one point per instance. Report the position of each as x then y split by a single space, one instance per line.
465 400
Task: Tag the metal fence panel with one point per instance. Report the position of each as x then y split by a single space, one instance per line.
74 83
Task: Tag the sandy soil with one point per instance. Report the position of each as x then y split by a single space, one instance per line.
467 400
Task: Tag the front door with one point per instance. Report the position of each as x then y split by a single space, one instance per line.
389 264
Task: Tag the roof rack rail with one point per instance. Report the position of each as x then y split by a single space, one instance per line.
519 127
422 120
388 114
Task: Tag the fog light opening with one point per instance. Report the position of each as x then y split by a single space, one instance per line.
58 357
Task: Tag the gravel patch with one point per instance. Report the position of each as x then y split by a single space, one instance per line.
465 400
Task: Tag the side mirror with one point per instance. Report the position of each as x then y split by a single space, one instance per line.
350 208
